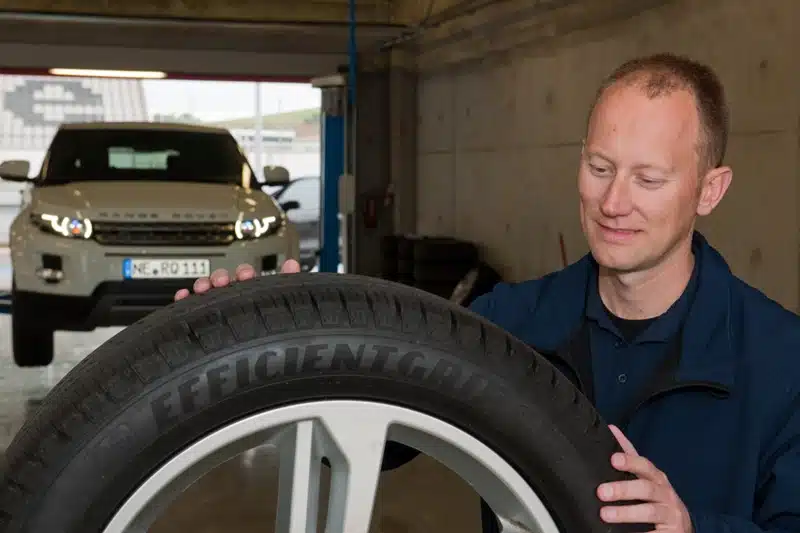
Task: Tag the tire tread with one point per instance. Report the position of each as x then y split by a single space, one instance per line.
188 330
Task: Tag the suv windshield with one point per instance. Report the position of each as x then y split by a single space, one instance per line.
144 155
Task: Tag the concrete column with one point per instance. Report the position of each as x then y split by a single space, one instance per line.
385 159
372 218
403 113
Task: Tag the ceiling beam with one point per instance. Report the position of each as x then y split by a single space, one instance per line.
186 64
186 48
190 34
332 11
225 50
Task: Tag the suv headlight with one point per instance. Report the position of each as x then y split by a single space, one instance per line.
72 227
256 228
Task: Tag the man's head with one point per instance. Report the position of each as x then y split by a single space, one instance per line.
652 160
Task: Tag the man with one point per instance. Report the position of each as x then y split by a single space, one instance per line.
697 372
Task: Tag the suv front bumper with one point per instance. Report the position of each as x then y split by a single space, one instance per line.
80 284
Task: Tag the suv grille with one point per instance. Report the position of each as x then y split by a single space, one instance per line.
164 233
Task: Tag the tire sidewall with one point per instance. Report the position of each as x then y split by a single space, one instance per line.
105 467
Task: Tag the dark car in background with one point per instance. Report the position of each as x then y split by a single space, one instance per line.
301 199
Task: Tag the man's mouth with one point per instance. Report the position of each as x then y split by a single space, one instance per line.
617 233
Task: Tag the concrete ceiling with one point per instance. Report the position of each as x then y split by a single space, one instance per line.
367 11
278 39
203 48
475 30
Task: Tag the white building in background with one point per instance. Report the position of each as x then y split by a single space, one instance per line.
32 107
283 147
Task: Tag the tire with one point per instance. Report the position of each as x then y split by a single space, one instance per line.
32 341
95 438
449 249
475 283
441 272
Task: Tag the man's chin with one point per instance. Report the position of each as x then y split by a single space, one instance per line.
613 258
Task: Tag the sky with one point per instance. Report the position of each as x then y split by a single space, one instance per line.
220 100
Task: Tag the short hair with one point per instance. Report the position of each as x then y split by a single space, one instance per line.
660 75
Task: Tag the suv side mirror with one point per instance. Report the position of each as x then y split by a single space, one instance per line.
274 175
290 204
15 170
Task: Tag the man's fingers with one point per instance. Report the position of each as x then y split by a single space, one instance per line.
181 294
639 466
201 285
635 489
245 272
290 266
220 278
623 441
643 513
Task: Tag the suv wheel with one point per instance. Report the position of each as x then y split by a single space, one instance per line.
328 368
32 339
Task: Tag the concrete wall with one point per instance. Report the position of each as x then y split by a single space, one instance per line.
498 141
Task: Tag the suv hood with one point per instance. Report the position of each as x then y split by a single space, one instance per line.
156 200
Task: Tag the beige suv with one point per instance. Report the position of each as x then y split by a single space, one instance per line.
121 215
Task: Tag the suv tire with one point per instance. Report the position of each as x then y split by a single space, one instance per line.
95 437
32 339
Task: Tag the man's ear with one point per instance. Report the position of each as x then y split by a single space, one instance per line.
714 185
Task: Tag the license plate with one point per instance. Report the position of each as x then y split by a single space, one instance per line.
165 268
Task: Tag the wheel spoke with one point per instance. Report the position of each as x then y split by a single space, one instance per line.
509 526
351 435
355 468
298 480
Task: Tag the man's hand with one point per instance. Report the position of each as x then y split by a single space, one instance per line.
221 278
660 504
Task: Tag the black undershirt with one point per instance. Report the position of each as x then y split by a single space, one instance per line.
629 328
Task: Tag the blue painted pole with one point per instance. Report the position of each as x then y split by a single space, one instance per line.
334 139
5 303
333 146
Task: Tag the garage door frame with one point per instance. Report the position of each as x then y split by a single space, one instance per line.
33 43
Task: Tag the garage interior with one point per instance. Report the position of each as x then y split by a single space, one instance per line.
466 122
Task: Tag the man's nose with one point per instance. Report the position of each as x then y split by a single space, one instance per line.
617 199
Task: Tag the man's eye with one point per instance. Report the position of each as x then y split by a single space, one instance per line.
650 182
598 170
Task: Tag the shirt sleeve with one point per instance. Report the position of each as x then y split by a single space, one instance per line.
502 303
483 305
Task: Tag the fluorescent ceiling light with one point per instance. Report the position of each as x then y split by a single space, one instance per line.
93 73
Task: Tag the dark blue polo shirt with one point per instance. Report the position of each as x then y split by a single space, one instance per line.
622 365
726 428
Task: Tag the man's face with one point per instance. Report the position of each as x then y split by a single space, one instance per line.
638 179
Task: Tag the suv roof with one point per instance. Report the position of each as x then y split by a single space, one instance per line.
161 126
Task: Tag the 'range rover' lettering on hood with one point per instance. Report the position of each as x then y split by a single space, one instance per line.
154 201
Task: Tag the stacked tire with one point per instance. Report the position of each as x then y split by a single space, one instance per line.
433 264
